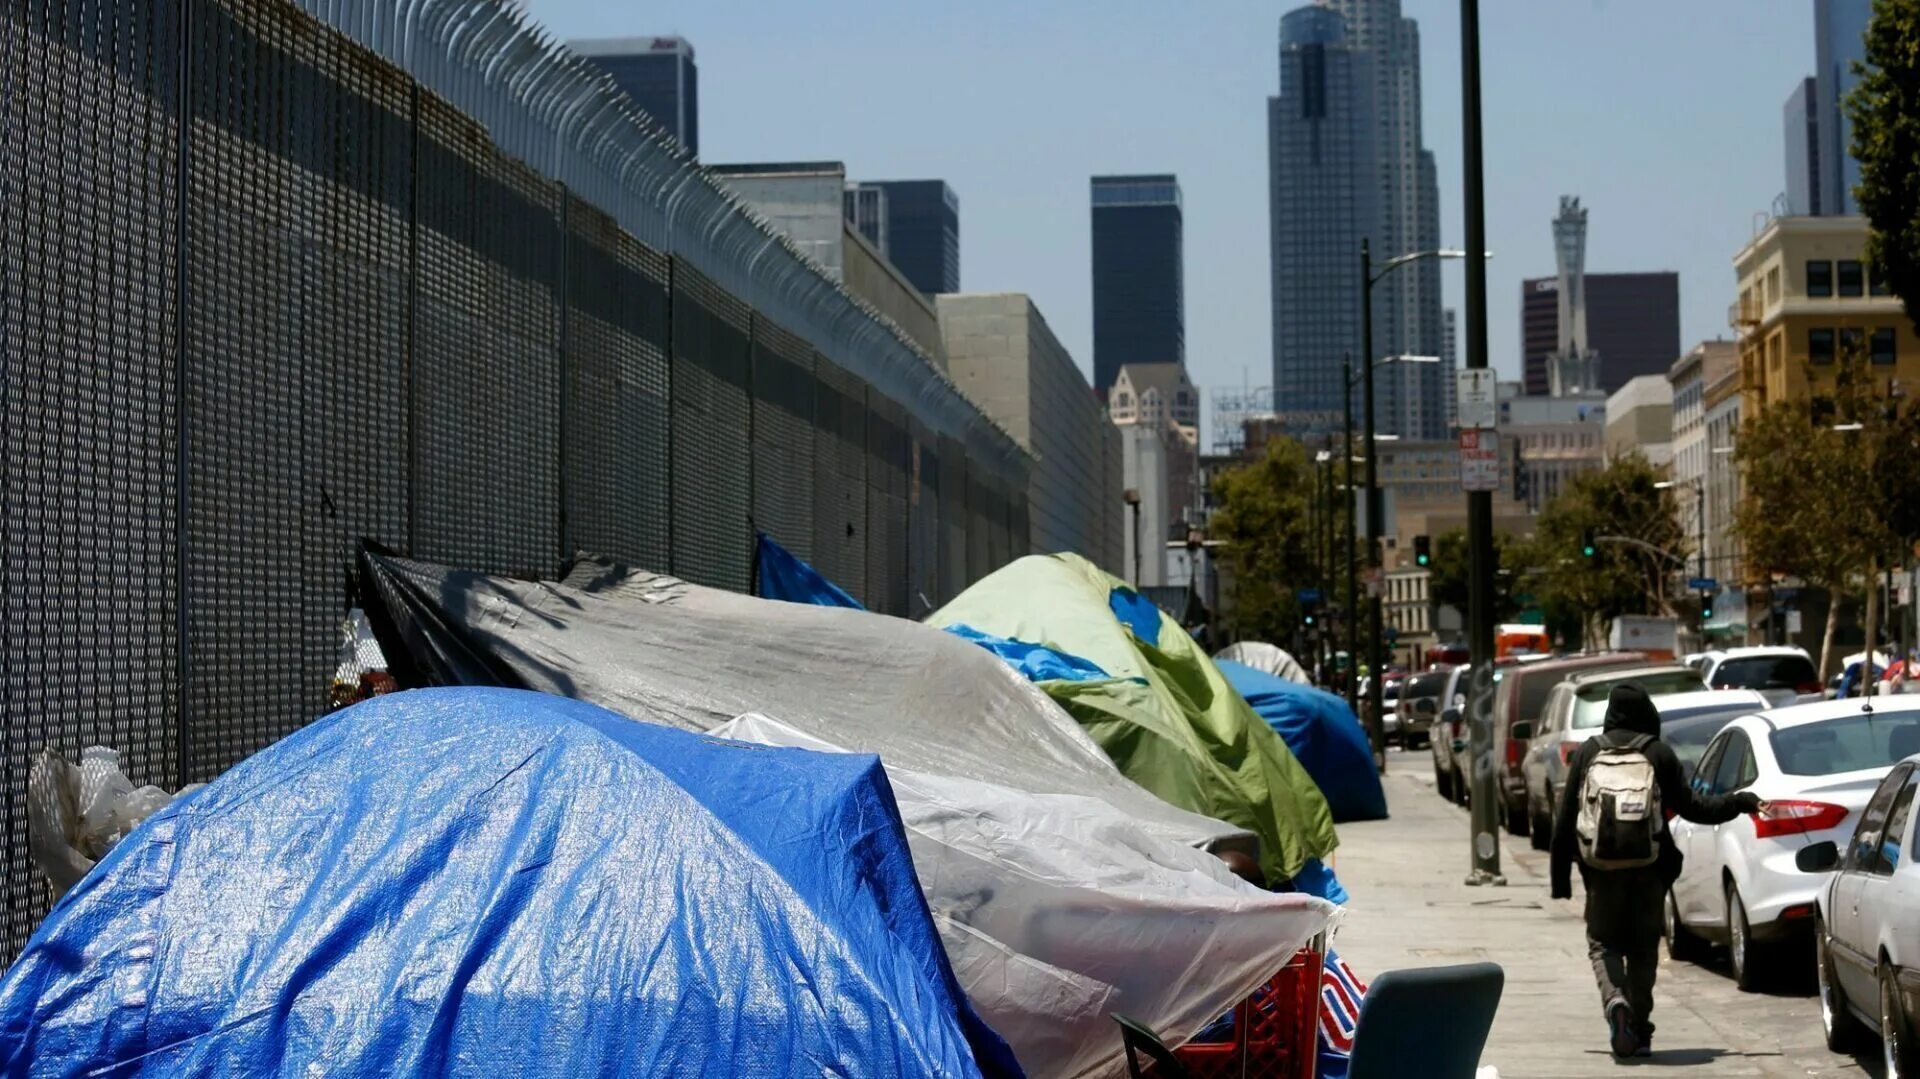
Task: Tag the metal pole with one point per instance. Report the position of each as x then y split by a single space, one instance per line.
1376 723
1327 578
1700 524
1486 821
1136 544
1350 612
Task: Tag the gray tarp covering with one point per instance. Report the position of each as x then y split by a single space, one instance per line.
1267 658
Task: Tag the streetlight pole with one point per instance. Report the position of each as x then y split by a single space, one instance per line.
1376 728
1486 846
1350 613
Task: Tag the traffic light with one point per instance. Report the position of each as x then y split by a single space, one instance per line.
1587 548
1309 619
1706 609
1422 551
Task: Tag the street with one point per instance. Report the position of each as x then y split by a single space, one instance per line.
1410 908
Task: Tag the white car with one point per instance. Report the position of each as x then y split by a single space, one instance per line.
1817 764
1785 675
1867 942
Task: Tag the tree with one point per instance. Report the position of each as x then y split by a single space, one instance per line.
1641 543
1885 110
1449 585
1263 515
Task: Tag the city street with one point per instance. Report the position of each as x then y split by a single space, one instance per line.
1410 908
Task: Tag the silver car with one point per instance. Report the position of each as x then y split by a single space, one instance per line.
1575 711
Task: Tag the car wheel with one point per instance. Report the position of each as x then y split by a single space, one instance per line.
1516 822
1442 780
1896 1046
1742 952
1837 1021
1542 826
1682 945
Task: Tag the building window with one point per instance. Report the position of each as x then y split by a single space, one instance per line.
1819 278
1852 280
1853 344
1820 346
1883 351
1122 400
1773 285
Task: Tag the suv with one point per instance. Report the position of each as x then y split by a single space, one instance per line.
1448 738
1785 675
1517 702
1423 697
1576 710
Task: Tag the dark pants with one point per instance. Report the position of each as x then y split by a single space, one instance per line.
1625 976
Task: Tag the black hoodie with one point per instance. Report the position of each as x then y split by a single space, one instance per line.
1623 905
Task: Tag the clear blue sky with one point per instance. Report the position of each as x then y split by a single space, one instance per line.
1663 115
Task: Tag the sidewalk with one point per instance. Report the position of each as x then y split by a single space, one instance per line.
1410 908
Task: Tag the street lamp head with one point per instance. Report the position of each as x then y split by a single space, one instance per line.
1723 449
1663 485
1848 428
1386 438
1323 457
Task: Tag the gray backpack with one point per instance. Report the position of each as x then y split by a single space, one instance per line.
1620 820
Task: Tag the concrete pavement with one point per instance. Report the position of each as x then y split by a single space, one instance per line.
1410 908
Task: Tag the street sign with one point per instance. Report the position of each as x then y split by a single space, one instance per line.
1793 622
1476 396
1703 584
1308 595
1479 460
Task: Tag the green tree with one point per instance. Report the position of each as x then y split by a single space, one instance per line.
1641 543
1885 110
1450 586
1265 516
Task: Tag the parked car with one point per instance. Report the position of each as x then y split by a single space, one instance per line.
1867 934
1518 699
1785 675
1447 739
1422 698
1817 765
1576 710
1389 692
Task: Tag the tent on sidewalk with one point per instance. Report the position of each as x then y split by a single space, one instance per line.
1164 712
1324 735
489 882
1267 659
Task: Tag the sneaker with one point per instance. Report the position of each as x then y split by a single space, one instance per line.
1620 1026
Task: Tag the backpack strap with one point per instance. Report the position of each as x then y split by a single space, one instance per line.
1639 742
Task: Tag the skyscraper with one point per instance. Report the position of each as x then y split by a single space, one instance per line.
658 73
1633 323
921 229
1839 40
1322 201
1139 298
1393 201
1574 368
1802 139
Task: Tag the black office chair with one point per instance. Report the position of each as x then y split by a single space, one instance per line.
1431 1022
1137 1038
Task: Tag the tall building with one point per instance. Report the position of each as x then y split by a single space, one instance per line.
1802 140
1160 396
1139 295
1839 41
1322 201
866 210
659 74
1450 361
1406 303
918 225
1573 368
1640 418
1633 323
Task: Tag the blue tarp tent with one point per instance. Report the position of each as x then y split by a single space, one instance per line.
780 574
1323 733
495 882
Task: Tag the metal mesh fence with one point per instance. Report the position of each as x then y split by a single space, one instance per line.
261 296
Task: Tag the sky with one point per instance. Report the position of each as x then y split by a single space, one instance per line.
1664 116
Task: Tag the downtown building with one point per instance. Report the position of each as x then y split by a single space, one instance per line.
659 74
1821 169
1347 162
1633 324
1139 292
915 224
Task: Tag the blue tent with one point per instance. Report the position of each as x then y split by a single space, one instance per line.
1323 733
482 881
780 574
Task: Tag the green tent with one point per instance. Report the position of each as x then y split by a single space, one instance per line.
1165 714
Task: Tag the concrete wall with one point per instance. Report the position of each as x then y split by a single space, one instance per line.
1005 358
1144 469
806 206
1640 417
871 277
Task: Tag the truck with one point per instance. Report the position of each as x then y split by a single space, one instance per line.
1657 637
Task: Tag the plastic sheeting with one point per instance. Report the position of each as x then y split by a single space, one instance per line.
476 882
1167 716
1324 735
655 647
1267 659
780 574
1057 910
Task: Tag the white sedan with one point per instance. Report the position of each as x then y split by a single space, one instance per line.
1868 938
1816 764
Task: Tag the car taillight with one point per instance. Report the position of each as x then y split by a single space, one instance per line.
1808 687
1793 818
1514 749
1566 751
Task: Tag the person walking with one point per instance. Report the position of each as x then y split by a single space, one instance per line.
1611 822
